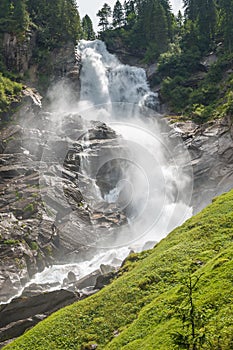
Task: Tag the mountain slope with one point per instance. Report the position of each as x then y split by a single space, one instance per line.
148 305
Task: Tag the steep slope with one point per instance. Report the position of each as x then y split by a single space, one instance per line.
148 306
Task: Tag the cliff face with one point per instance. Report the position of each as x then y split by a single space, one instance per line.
17 52
28 239
21 56
46 209
211 151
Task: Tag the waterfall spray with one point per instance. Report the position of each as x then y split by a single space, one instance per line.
134 175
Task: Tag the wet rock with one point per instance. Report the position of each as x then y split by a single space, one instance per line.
25 307
53 222
17 52
87 281
211 150
23 313
105 269
104 280
71 277
35 289
15 329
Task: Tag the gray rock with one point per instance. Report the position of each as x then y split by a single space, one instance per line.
211 151
26 307
87 281
104 280
23 313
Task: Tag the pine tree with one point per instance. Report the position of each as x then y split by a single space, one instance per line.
206 23
129 8
203 14
71 20
179 20
118 15
155 26
226 22
104 14
129 13
191 9
4 15
20 16
57 21
87 27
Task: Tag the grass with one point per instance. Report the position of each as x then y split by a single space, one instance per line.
10 91
140 309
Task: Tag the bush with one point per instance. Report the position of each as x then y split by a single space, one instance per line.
10 91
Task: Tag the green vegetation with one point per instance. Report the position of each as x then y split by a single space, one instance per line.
175 296
148 28
30 207
11 242
140 25
87 28
34 245
9 93
55 23
14 17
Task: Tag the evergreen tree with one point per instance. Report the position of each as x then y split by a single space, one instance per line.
118 15
203 14
169 17
104 14
20 15
226 22
71 19
191 9
129 12
14 17
155 26
57 21
5 15
206 23
87 27
179 20
129 8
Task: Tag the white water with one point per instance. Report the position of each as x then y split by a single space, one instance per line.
104 80
156 186
57 273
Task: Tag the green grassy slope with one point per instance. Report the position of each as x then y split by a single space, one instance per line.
10 91
140 309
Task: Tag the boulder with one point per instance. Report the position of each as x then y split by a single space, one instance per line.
88 281
104 280
25 312
43 303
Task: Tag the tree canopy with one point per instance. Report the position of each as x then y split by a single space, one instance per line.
87 27
56 21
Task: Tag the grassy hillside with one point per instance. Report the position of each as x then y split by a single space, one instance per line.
151 305
10 92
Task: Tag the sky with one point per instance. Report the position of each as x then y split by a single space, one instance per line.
91 7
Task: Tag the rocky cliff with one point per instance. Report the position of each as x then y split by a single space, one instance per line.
39 69
47 211
210 147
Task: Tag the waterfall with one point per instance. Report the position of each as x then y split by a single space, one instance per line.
104 80
154 184
157 182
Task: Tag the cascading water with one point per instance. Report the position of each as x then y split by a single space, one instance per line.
155 183
104 80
